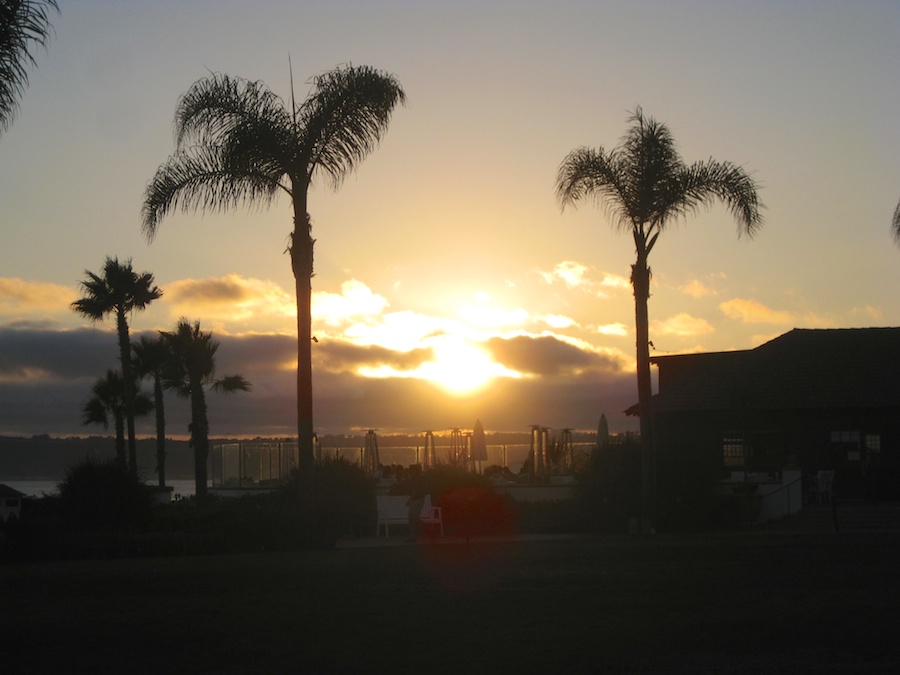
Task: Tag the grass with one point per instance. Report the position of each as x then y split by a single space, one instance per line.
716 603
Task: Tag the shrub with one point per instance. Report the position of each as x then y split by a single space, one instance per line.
609 487
102 495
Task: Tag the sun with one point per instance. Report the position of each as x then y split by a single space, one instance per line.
460 368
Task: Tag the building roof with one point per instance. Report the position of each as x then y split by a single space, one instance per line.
7 492
802 369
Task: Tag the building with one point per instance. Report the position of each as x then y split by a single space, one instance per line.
823 400
10 503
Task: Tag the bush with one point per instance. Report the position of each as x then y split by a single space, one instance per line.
102 495
609 487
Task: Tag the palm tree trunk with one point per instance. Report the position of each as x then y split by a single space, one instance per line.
128 384
160 431
640 280
301 251
199 435
120 439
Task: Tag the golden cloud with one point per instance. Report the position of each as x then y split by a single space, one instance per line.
233 297
683 324
751 311
355 300
19 296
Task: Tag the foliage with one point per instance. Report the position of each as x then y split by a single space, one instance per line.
119 290
102 495
24 25
238 143
108 400
191 368
645 187
608 486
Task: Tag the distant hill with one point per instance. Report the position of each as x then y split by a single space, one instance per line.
45 458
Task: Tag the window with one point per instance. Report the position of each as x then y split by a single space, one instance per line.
848 442
733 450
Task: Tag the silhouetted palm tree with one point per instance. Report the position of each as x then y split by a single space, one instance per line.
152 357
108 400
24 25
646 186
237 142
119 290
895 224
193 368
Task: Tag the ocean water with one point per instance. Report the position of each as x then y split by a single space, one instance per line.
39 488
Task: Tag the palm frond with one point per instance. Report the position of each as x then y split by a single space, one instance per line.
216 107
706 182
231 384
24 25
895 224
203 178
345 117
586 173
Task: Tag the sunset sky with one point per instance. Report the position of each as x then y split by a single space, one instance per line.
449 284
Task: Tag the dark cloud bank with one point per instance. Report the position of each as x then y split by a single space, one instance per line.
46 376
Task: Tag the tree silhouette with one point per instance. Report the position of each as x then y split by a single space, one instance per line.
646 186
108 400
152 358
193 369
237 142
119 290
895 224
24 25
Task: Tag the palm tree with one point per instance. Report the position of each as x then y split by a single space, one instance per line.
193 368
237 142
24 24
895 224
646 186
152 358
119 290
108 400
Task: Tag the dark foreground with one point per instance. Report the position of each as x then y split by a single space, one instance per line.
722 603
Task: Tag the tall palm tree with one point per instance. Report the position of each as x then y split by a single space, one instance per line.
152 358
119 290
24 25
646 186
108 400
193 369
238 142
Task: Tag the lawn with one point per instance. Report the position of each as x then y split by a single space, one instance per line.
715 603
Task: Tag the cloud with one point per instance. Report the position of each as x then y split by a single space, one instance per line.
570 385
571 273
232 297
683 325
354 301
751 311
20 298
30 354
548 355
576 275
617 329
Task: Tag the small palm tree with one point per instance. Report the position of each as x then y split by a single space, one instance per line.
24 25
119 290
237 142
152 358
646 186
193 369
108 401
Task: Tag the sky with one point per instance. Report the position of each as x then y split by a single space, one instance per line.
450 286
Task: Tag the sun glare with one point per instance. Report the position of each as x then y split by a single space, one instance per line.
461 368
